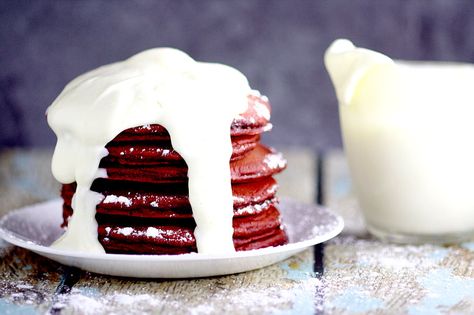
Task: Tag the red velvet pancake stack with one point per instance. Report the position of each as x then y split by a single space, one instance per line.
145 209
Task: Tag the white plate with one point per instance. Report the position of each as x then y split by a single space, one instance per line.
36 227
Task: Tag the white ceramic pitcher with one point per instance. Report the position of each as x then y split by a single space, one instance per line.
408 133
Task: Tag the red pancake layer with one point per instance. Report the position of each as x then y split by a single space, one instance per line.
153 202
155 153
258 163
174 239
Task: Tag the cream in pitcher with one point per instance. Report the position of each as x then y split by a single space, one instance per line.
408 132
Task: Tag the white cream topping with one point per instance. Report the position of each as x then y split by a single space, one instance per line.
195 101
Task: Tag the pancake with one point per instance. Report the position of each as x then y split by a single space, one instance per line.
249 232
159 152
146 209
163 202
259 162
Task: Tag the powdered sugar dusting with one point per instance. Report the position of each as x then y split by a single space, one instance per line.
292 288
275 161
125 231
366 275
151 232
237 199
154 232
311 222
157 233
255 208
14 291
118 199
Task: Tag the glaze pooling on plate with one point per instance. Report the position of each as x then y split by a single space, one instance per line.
25 228
158 86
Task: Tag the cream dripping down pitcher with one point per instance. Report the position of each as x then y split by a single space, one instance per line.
408 134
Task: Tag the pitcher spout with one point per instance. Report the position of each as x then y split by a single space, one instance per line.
347 65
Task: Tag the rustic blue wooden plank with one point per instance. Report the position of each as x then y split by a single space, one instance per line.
27 283
287 288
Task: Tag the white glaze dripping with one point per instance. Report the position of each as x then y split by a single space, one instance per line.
196 102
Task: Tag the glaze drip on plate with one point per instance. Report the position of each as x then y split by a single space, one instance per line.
158 86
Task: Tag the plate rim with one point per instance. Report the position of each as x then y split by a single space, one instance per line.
11 238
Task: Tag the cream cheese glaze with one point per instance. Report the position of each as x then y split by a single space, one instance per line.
195 101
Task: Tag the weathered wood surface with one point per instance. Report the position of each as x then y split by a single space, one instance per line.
337 193
288 286
363 275
28 281
31 284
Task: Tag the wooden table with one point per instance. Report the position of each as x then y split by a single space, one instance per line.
352 274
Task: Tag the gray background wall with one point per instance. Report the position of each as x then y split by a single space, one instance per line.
277 44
